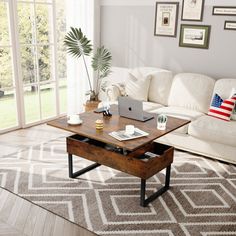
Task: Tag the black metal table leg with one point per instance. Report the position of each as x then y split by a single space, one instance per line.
80 172
144 202
143 190
167 182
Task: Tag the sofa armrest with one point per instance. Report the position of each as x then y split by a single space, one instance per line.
114 91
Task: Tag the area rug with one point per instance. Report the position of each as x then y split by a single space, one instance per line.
201 199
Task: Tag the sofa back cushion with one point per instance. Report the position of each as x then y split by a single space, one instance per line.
137 85
118 76
149 83
160 85
192 91
233 95
224 87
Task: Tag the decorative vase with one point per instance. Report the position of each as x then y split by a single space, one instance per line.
91 105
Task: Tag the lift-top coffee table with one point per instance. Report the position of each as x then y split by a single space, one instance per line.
126 156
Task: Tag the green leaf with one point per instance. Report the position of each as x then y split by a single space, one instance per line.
101 62
77 43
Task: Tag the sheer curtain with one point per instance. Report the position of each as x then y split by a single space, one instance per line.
80 14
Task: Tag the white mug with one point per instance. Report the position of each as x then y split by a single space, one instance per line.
74 118
129 129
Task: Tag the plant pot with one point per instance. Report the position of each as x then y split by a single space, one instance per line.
91 105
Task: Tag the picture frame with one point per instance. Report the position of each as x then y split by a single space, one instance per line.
194 36
192 10
224 10
230 25
166 19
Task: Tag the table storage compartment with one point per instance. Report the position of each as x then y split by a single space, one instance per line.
117 158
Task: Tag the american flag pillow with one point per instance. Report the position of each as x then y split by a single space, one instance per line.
222 109
233 95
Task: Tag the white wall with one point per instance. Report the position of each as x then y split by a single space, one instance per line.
127 29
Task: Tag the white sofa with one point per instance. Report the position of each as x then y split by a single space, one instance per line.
186 96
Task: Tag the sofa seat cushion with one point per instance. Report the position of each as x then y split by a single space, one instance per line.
214 130
150 106
179 112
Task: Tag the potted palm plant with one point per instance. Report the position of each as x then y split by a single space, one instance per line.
78 45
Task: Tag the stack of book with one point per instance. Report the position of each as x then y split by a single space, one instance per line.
121 135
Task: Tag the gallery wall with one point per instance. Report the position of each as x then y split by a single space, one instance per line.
127 29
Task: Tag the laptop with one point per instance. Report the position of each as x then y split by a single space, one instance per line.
132 109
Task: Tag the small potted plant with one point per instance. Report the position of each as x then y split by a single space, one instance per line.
78 45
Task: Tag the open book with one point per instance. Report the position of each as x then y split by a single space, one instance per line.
121 135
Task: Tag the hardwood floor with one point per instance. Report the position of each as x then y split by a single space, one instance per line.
19 216
14 141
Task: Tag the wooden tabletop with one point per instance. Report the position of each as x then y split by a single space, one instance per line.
115 123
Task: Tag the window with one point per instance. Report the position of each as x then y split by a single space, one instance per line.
38 77
8 106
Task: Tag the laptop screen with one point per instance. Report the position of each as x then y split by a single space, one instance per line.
131 108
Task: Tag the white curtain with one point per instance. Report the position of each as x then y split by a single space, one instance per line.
80 14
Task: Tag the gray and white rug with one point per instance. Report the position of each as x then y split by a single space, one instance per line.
201 200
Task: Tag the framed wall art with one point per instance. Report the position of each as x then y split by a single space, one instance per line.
195 36
192 10
166 18
224 11
230 25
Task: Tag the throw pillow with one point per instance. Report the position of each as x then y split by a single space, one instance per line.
220 108
233 95
137 86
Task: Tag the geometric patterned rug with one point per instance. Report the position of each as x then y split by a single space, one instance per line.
200 201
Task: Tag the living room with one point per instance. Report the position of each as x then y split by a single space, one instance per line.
177 57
